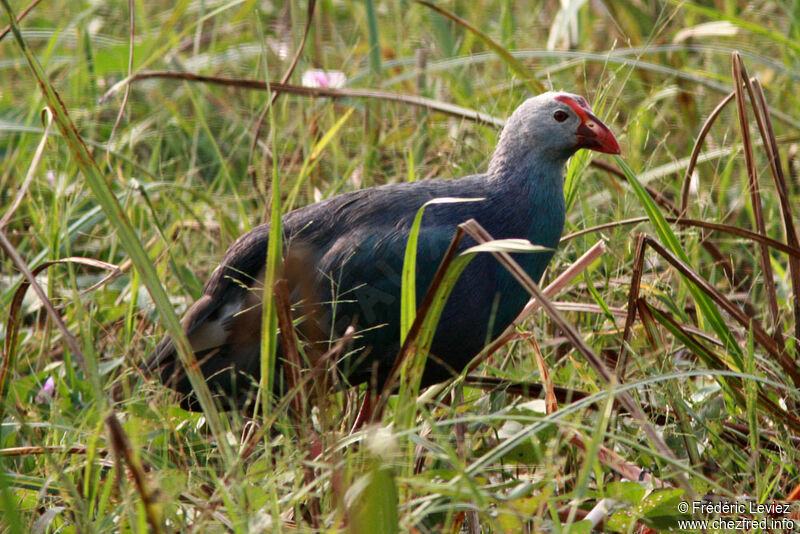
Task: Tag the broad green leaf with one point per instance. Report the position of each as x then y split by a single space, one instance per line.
658 510
372 503
625 491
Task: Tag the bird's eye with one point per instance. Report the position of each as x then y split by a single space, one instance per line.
560 115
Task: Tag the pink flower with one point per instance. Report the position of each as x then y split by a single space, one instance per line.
47 392
324 78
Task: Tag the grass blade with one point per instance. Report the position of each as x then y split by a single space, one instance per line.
408 295
709 292
582 263
417 344
698 145
374 42
269 314
416 347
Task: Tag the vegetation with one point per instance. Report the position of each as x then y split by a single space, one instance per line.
668 367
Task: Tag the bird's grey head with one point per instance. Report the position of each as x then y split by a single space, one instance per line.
549 128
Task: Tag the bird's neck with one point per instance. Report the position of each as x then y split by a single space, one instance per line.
531 175
530 189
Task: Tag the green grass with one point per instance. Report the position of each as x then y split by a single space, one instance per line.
710 352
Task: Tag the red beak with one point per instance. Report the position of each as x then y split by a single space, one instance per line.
595 135
592 133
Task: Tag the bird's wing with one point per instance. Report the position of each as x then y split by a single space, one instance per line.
356 241
223 326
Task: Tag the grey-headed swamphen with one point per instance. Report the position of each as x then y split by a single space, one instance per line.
354 245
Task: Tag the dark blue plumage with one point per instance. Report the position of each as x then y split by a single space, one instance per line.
352 248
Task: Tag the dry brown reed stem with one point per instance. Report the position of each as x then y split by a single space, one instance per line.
617 463
726 264
52 449
564 279
260 85
300 392
633 294
739 73
771 145
654 336
725 228
550 401
760 335
293 364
